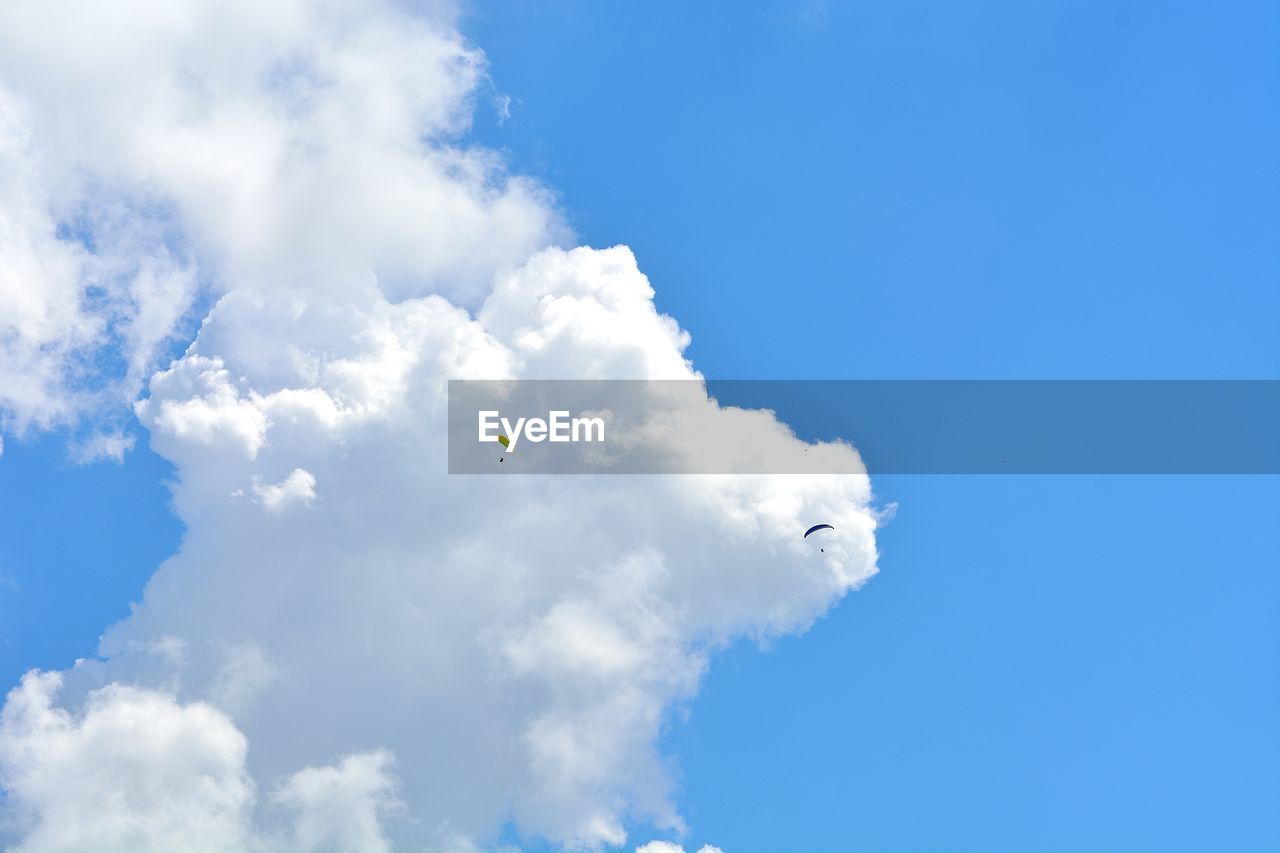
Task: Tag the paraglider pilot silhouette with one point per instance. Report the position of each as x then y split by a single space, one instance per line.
818 527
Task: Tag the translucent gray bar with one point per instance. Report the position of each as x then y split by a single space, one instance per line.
896 426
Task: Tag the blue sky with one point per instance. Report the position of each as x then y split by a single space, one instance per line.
935 190
916 190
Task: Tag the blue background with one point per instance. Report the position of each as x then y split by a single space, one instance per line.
906 190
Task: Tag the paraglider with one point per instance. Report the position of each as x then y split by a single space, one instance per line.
505 442
818 527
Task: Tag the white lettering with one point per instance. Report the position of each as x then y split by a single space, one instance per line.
559 426
513 432
587 425
487 423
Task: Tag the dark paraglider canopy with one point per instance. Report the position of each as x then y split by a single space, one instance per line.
817 527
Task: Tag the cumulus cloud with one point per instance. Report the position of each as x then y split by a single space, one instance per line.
134 771
148 148
670 847
340 807
66 309
474 650
515 643
298 489
137 771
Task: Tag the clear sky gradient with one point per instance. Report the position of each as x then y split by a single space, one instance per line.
907 190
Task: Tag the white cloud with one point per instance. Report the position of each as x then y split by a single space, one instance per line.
671 847
303 144
341 807
136 771
104 444
243 672
513 643
298 489
66 310
534 631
